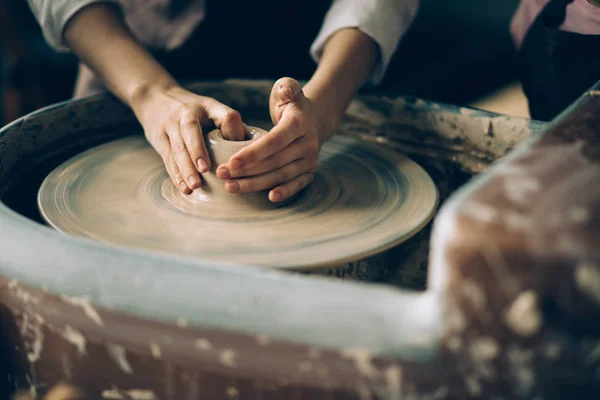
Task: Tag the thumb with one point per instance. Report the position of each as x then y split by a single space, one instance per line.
285 91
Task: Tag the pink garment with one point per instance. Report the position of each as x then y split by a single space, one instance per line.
582 17
150 21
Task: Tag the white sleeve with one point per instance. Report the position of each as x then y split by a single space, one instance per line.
385 21
53 16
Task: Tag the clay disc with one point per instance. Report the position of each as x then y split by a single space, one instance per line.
364 199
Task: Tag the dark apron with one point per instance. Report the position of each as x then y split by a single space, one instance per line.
556 66
249 39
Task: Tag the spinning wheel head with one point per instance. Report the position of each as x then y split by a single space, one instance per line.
363 200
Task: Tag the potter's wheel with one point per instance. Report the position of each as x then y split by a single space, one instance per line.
364 199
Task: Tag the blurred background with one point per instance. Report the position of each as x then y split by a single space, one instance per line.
457 51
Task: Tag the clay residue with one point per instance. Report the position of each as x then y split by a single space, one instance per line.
524 316
521 369
76 338
202 344
119 355
474 293
33 336
133 394
232 392
485 348
155 351
473 386
393 380
263 340
60 391
182 322
314 353
362 359
552 350
578 215
67 368
228 358
305 366
587 278
86 306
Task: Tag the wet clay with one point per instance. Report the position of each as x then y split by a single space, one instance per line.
212 196
364 199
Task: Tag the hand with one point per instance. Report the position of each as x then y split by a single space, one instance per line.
285 159
171 116
172 120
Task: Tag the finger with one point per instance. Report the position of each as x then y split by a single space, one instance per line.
228 120
297 149
284 91
191 131
163 147
276 140
182 156
268 180
290 188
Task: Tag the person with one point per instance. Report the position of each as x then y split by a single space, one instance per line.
556 42
141 49
355 40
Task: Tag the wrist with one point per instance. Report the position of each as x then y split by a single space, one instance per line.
141 95
328 113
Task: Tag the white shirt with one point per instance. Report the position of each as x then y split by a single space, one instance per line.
385 21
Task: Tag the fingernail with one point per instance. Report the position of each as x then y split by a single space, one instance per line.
236 164
275 196
193 182
223 173
182 186
202 165
286 92
232 187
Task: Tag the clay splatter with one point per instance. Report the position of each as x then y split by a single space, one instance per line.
587 277
119 355
75 338
362 359
155 350
86 306
523 316
263 340
227 358
202 344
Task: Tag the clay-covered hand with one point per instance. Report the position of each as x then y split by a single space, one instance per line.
285 159
172 120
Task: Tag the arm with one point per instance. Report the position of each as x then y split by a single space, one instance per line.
304 119
355 45
171 116
101 40
346 64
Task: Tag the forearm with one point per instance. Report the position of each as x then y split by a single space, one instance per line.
102 41
346 64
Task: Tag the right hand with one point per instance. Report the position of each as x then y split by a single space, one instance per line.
172 120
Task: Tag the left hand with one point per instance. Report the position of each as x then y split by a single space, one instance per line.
285 159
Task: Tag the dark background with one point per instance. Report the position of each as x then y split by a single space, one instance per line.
456 51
